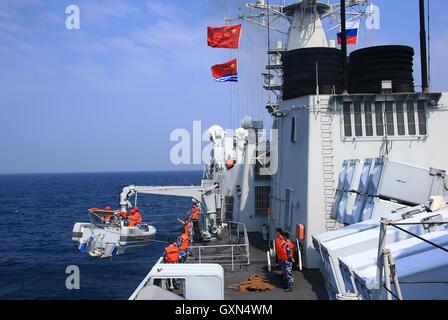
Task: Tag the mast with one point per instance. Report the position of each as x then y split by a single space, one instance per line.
423 48
344 48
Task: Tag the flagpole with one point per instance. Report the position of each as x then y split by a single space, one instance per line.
344 48
269 47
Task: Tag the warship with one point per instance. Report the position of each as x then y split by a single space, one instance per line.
353 169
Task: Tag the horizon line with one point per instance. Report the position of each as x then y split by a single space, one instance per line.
97 172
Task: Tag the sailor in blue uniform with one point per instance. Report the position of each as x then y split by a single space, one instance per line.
285 258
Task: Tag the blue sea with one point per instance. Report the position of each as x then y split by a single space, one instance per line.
37 217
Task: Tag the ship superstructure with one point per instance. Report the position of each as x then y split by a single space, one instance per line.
352 143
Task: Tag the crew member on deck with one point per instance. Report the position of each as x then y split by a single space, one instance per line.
278 239
171 253
135 218
188 227
285 258
195 214
182 243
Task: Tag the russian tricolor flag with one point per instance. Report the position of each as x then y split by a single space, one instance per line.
352 32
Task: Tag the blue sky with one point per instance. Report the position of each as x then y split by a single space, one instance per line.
106 97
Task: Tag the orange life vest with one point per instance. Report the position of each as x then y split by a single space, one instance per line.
187 226
136 218
171 254
282 255
278 245
195 213
186 239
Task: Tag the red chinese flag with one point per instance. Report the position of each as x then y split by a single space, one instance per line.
225 37
226 72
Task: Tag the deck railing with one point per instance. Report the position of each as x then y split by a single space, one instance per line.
234 253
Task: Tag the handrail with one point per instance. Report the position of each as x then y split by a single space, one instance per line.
220 246
235 254
384 255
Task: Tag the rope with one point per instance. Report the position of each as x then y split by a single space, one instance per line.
393 294
422 282
159 241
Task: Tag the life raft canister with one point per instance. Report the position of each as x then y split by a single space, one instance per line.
171 254
300 232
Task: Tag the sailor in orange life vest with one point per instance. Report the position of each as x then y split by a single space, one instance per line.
106 217
278 240
171 253
182 244
135 218
188 227
285 258
195 214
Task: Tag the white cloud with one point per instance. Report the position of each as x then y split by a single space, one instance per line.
101 12
164 10
169 34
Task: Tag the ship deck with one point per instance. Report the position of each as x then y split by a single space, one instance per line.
308 284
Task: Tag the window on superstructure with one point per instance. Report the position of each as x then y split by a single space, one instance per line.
379 119
347 119
259 174
262 201
411 117
368 117
358 119
174 285
421 118
390 119
400 118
